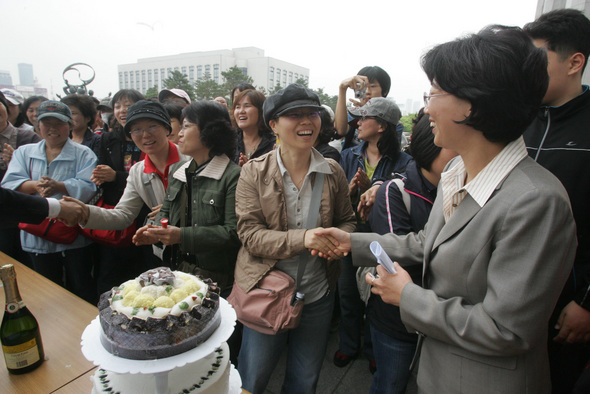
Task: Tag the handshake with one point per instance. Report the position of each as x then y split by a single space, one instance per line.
72 212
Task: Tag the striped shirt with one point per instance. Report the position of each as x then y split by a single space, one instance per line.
484 184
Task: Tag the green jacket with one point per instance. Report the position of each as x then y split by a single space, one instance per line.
210 238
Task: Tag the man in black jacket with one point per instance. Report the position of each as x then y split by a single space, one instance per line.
559 140
16 207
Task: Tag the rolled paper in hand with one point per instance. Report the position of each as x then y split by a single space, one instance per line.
382 257
164 223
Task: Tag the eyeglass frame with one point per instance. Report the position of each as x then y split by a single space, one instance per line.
427 97
300 115
150 130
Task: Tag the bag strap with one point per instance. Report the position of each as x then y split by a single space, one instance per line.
405 195
312 219
147 184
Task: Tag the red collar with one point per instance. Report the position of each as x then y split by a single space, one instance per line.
173 157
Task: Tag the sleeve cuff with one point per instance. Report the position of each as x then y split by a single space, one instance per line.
54 207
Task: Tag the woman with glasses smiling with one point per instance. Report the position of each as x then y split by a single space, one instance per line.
500 239
273 198
147 125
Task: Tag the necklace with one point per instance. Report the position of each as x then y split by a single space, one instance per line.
251 148
299 183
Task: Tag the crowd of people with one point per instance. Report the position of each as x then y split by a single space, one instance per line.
484 211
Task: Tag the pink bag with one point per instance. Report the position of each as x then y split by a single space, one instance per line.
269 308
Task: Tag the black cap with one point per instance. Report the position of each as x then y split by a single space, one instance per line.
144 109
293 96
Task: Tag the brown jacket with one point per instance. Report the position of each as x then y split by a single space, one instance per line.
262 219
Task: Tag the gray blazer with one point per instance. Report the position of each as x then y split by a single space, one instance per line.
492 276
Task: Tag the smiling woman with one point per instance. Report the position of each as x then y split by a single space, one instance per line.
254 137
273 203
56 167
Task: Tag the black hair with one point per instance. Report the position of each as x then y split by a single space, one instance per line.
499 71
567 31
388 144
27 104
131 94
174 110
376 73
422 147
257 99
241 87
215 128
84 104
328 131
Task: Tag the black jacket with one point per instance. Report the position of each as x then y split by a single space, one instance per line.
112 151
18 207
266 145
559 140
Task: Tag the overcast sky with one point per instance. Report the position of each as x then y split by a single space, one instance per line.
334 39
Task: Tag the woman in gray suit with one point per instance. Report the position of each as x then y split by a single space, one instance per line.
500 240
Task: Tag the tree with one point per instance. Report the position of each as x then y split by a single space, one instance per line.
233 77
151 92
302 81
325 98
177 80
407 122
208 89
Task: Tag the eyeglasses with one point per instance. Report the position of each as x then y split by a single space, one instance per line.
150 130
427 97
300 115
363 118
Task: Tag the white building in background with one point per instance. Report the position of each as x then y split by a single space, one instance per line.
266 72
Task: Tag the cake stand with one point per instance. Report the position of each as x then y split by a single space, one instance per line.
96 353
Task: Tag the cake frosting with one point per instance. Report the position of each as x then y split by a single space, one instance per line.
159 314
210 375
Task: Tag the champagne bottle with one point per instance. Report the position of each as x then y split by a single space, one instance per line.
19 332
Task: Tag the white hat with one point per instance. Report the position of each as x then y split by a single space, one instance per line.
13 96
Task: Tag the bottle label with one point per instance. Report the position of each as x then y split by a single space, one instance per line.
22 355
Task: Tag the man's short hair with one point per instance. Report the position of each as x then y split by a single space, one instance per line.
376 73
567 31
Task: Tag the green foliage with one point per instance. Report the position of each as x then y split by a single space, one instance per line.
151 93
233 77
407 122
325 98
178 80
302 81
208 89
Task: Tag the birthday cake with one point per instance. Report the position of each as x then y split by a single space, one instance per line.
159 314
210 375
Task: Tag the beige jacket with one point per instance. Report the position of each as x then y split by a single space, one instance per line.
262 219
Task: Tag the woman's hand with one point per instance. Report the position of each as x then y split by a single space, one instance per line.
155 211
362 180
324 244
389 286
339 238
74 217
153 234
103 173
243 159
47 187
7 153
367 200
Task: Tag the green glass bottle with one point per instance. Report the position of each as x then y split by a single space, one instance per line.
19 332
